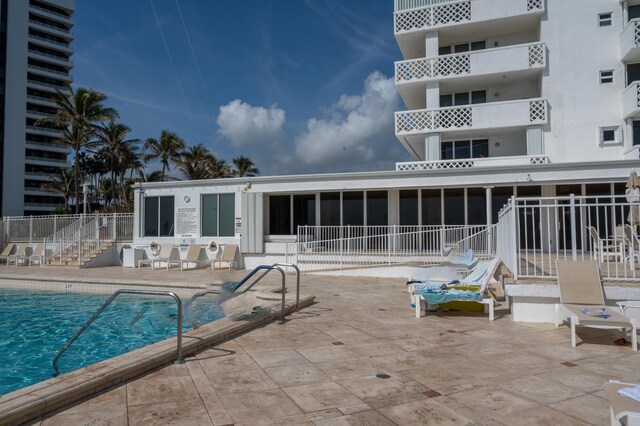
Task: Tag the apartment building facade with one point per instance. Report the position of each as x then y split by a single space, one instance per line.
503 98
35 48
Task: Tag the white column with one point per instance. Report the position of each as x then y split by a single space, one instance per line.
394 206
535 140
489 205
431 44
432 147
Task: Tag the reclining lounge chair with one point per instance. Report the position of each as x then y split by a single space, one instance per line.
624 410
582 300
430 292
466 261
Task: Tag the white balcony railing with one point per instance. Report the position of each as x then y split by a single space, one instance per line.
630 41
465 163
429 14
400 5
631 100
472 117
480 62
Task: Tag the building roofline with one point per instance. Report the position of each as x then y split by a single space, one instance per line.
375 175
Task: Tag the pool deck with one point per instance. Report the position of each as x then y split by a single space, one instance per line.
320 367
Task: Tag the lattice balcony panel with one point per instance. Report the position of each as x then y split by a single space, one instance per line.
457 118
534 5
453 12
410 71
453 65
535 161
637 33
537 111
536 55
413 20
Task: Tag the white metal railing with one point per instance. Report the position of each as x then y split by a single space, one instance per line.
46 159
33 229
54 244
331 247
631 100
486 61
49 85
38 113
427 14
49 55
535 232
101 233
57 14
476 116
48 40
39 68
40 99
482 243
45 129
465 163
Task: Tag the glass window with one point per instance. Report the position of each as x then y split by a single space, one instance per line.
446 149
227 215
377 208
209 215
479 97
478 45
636 132
454 206
633 73
606 76
166 216
446 100
330 209
444 50
461 98
632 11
462 149
353 208
480 148
460 48
409 207
499 197
151 216
605 19
431 207
280 215
476 206
304 211
610 135
217 215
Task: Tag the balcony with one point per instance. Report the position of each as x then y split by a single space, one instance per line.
45 160
46 57
481 16
631 101
50 14
51 29
48 72
630 42
466 163
494 115
53 88
481 67
51 44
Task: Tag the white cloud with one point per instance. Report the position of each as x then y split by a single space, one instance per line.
246 125
359 128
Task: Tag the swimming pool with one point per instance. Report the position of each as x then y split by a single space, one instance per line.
36 324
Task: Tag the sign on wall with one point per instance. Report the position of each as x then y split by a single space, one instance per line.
187 222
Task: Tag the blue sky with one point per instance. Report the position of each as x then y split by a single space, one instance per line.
299 86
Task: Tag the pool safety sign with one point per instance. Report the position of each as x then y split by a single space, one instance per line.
187 222
238 225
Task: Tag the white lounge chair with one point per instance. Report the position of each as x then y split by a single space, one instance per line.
480 279
624 410
461 261
36 255
229 254
19 253
605 247
165 256
193 256
582 300
7 252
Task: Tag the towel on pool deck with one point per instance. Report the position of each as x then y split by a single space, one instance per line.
452 295
633 392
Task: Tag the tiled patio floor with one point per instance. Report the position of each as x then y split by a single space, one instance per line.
360 357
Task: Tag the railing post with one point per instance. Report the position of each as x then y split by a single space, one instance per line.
514 238
574 240
115 227
55 224
442 240
30 228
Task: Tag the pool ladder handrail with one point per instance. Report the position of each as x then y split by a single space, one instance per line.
266 269
179 359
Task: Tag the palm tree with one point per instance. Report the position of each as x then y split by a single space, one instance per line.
113 139
244 167
79 112
62 183
154 176
193 162
167 148
217 168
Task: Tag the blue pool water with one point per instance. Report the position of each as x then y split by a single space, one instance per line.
34 325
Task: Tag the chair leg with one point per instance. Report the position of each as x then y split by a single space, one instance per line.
491 307
573 331
634 335
557 315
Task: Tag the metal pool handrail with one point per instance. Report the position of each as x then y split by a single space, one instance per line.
179 359
291 265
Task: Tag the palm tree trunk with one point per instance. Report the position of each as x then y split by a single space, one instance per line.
76 176
162 178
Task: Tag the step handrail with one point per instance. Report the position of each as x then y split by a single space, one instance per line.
295 267
179 359
266 269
